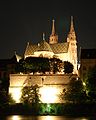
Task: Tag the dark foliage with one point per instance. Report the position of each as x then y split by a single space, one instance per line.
5 99
30 94
39 64
68 67
56 65
75 92
90 81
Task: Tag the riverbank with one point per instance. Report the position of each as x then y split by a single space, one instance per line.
50 109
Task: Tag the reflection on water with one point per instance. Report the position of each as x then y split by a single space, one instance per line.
18 117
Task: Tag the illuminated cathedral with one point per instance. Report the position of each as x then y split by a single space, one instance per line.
50 85
65 51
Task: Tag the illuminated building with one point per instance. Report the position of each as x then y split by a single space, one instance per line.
50 84
65 51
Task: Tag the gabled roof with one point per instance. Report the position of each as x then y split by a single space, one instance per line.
30 49
60 47
88 54
44 46
18 57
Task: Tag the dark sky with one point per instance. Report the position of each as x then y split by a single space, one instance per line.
21 22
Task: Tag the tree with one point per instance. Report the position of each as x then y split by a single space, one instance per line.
30 94
68 67
43 65
33 64
75 92
30 97
10 99
55 65
90 84
5 99
20 66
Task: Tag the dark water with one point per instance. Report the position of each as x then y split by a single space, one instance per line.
20 117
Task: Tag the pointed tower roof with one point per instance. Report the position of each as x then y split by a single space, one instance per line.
18 57
44 46
53 37
71 35
30 49
53 27
43 36
72 25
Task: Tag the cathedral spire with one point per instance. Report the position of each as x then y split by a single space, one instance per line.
53 37
72 25
15 52
43 36
71 35
53 27
71 39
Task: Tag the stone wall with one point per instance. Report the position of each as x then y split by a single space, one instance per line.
56 83
21 79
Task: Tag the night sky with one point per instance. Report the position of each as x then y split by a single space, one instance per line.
21 22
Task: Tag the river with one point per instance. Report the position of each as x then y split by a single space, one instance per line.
29 117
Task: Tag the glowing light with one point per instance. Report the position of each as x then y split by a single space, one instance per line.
84 83
84 119
49 94
16 94
48 117
16 117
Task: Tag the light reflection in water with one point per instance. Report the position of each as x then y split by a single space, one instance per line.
15 117
60 118
18 117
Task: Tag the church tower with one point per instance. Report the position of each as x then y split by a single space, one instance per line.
71 39
53 37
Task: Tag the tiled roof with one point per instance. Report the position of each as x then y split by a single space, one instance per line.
44 46
60 47
88 54
30 49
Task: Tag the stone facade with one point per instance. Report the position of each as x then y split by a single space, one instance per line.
56 83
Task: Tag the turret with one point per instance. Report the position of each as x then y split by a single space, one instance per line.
71 35
53 37
43 36
71 39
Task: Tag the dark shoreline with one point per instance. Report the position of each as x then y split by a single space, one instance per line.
88 109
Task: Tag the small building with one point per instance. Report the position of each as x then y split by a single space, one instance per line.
87 61
7 67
